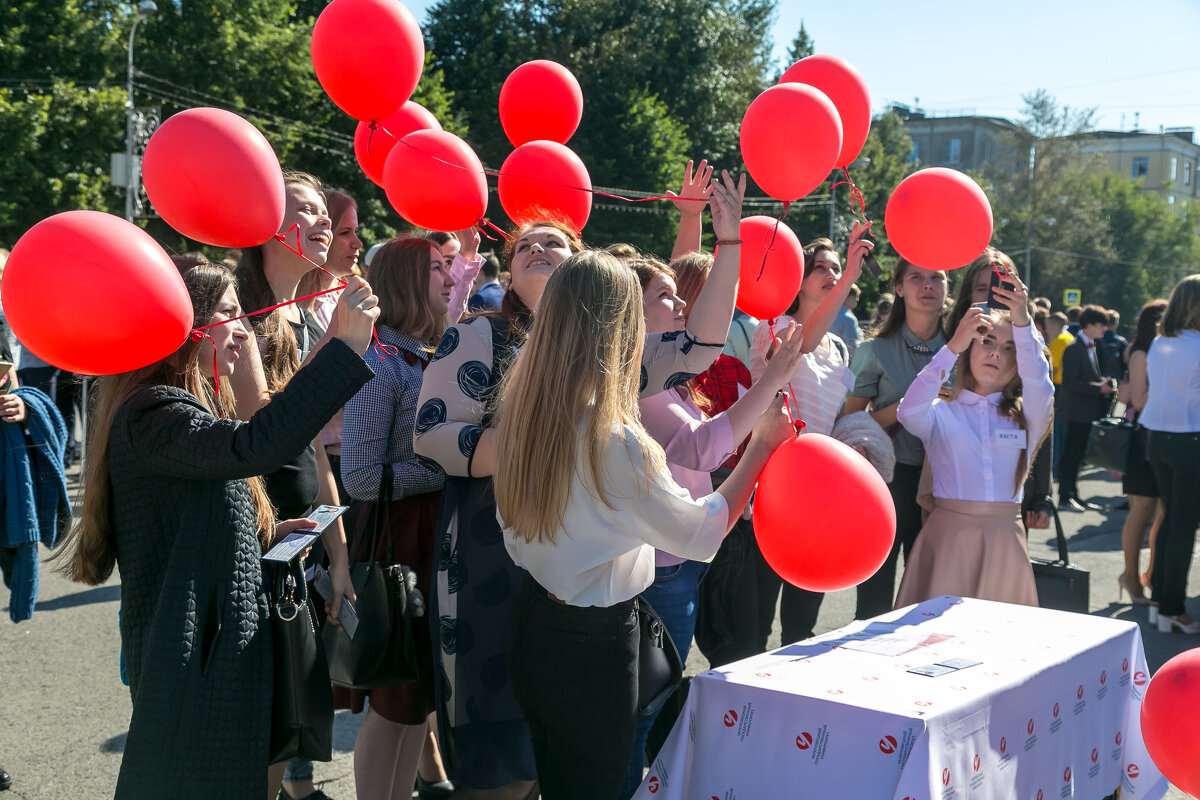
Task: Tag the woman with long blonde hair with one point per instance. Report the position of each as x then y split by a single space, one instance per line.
172 498
585 497
980 445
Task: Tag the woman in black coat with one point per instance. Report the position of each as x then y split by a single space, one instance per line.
172 496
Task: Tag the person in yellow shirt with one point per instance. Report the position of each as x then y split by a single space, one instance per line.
1057 339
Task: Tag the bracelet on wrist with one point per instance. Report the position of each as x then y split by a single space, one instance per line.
731 242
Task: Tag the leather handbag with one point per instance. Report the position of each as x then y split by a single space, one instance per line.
383 651
1108 445
660 670
302 703
1061 585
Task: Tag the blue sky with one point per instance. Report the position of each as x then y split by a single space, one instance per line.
980 57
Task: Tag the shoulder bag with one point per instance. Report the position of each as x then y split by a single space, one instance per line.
660 670
1061 585
1109 443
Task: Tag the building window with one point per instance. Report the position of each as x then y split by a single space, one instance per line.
953 151
1140 168
1187 173
1174 167
1171 202
916 153
987 150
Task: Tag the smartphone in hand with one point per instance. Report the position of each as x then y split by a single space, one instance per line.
999 274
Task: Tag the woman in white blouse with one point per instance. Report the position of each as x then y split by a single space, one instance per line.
585 498
978 445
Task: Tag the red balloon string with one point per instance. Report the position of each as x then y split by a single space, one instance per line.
484 224
795 419
198 335
774 230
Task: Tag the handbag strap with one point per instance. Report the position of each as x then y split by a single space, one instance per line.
1063 555
378 521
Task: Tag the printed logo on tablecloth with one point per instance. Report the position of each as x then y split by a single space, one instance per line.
731 718
692 726
1082 704
946 777
1039 794
660 778
652 785
887 745
762 674
1139 680
1094 769
743 721
1129 776
1068 788
1116 751
901 748
1102 692
815 746
1031 741
804 740
729 795
1056 723
975 763
1005 759
978 776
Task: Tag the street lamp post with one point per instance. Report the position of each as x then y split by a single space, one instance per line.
146 9
861 163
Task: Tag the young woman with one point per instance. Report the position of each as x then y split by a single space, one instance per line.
1172 415
819 383
1138 483
413 283
585 497
483 730
979 445
195 633
695 445
884 366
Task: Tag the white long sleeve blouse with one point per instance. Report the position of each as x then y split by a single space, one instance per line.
973 451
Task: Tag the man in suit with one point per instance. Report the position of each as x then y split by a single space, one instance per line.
1086 395
488 293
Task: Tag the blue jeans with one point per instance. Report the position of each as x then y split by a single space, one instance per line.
673 596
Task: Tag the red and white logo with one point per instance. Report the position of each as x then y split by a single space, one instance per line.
927 614
1103 676
1139 678
1029 727
1003 746
1125 665
1079 692
887 745
1132 771
946 777
834 691
730 718
922 703
1039 797
763 674
1118 738
652 786
804 740
975 763
1055 711
1095 755
1067 775
871 678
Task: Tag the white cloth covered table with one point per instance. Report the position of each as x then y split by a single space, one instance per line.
1051 711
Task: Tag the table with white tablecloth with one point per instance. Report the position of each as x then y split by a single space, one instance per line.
946 700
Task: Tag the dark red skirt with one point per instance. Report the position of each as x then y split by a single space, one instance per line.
412 525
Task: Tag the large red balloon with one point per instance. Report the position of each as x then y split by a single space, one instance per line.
791 137
91 293
1170 724
771 267
368 55
540 100
435 181
938 218
844 85
371 149
823 516
214 178
545 180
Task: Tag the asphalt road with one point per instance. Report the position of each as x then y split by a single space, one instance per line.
64 711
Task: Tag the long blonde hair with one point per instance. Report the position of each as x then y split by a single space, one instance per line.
582 363
88 552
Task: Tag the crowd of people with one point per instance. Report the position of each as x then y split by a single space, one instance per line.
570 440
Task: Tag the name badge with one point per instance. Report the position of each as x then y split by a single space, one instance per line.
1014 437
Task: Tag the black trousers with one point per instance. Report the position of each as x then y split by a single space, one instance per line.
1175 458
1074 450
574 673
877 593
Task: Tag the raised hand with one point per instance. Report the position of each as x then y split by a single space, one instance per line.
856 251
1015 300
975 324
468 241
726 205
354 318
697 188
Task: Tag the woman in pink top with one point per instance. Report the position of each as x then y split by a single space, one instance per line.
695 445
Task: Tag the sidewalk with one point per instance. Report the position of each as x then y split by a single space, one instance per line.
65 711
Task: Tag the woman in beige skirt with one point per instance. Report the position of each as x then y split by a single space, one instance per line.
978 446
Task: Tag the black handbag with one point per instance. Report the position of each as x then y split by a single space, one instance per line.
1109 443
302 703
383 651
660 670
1060 584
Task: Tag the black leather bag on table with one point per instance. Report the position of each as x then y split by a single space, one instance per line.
1060 584
382 652
1109 443
660 670
302 704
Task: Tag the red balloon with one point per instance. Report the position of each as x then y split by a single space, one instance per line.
91 293
1170 735
435 181
201 158
371 149
368 55
938 218
844 85
545 180
540 100
791 137
771 267
823 517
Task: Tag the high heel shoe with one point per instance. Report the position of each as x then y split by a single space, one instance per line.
1168 623
1138 599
